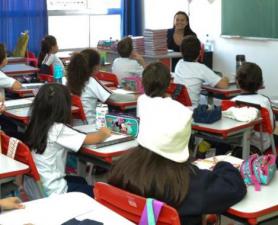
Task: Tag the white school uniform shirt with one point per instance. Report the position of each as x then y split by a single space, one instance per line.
51 164
263 102
193 75
5 82
51 59
124 67
92 92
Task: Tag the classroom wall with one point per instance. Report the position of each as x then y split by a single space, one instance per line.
205 18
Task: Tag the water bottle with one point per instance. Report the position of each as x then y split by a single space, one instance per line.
209 44
240 59
58 73
101 111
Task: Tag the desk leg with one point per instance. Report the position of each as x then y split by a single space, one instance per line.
246 143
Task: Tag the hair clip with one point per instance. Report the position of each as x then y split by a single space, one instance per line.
51 92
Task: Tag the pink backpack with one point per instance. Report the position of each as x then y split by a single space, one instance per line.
133 83
258 170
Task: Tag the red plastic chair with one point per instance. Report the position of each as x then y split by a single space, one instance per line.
266 124
130 205
23 154
80 114
46 78
31 58
201 57
108 76
179 93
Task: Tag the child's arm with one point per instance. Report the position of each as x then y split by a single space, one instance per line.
223 83
98 137
16 85
138 58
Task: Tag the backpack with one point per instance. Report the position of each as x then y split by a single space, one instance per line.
151 212
205 114
122 123
133 83
258 170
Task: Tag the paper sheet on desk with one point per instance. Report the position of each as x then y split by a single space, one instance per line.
122 91
209 163
48 212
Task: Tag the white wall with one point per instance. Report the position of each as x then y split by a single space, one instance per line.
205 18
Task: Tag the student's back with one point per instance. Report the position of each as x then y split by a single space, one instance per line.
193 74
50 137
47 57
129 63
250 80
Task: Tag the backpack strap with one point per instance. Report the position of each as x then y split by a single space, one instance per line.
151 212
253 177
13 143
177 91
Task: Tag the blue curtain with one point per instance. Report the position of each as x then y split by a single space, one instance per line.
131 17
17 16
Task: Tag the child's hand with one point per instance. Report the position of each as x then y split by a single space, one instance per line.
11 203
104 132
2 107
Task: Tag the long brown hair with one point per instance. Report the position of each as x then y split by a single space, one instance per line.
47 43
80 69
147 174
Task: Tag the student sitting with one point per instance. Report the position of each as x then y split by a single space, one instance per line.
249 78
81 70
6 82
47 57
165 129
49 136
193 74
129 63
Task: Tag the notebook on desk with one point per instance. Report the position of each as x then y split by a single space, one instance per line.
115 138
31 85
18 103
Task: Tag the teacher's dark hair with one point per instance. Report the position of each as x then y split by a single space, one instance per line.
187 29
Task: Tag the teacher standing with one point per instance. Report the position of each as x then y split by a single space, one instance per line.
176 34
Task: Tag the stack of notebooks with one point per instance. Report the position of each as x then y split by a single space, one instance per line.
138 44
155 42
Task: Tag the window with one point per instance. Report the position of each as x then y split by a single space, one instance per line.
82 23
166 8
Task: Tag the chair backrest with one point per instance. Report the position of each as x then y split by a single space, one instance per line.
76 101
130 205
31 58
264 113
46 78
179 93
107 76
201 57
24 155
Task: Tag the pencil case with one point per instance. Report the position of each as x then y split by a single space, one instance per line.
123 124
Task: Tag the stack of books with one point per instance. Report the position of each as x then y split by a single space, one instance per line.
138 44
155 42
